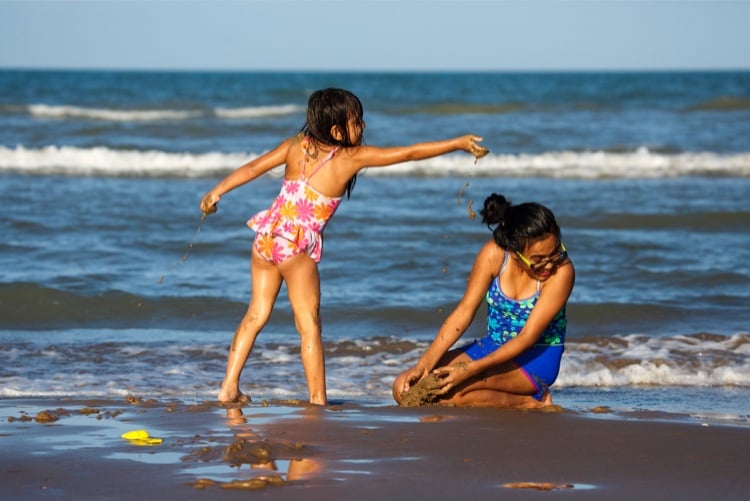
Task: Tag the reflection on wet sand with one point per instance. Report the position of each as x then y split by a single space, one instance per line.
269 461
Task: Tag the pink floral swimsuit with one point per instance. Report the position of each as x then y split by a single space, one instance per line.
295 221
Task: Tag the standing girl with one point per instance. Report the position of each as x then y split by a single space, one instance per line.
321 164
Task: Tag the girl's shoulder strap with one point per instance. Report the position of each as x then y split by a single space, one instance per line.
505 262
322 163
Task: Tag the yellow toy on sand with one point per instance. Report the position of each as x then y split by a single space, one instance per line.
140 437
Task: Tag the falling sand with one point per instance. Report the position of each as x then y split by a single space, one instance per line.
187 251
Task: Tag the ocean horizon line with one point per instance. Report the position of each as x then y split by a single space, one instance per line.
389 71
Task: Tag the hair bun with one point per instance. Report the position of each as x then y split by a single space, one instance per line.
495 209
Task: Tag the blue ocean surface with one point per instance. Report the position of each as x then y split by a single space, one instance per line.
110 283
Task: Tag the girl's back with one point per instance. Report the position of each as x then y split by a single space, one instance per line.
305 156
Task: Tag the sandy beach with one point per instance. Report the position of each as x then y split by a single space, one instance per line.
289 450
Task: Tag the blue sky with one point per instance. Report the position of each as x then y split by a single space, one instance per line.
375 35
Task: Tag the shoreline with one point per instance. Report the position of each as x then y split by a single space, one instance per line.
296 451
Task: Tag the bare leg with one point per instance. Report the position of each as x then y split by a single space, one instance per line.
303 285
498 399
505 386
266 282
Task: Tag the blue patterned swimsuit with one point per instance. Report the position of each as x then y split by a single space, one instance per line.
505 319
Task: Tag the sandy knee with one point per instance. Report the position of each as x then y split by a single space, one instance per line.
255 318
307 324
398 384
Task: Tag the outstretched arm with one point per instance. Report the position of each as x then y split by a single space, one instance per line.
372 156
245 174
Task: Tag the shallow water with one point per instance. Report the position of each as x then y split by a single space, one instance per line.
101 293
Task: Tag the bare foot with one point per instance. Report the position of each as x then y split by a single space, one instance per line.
546 399
546 405
231 393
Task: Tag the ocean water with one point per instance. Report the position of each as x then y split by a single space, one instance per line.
111 285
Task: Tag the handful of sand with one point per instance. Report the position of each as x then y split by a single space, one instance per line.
423 393
479 152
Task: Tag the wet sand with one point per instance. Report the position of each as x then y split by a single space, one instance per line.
288 450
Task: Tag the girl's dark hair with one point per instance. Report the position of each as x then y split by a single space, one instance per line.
517 226
331 107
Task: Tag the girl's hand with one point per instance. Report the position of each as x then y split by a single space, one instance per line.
469 145
452 375
414 376
209 203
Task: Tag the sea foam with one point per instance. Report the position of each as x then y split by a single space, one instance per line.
641 163
46 111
